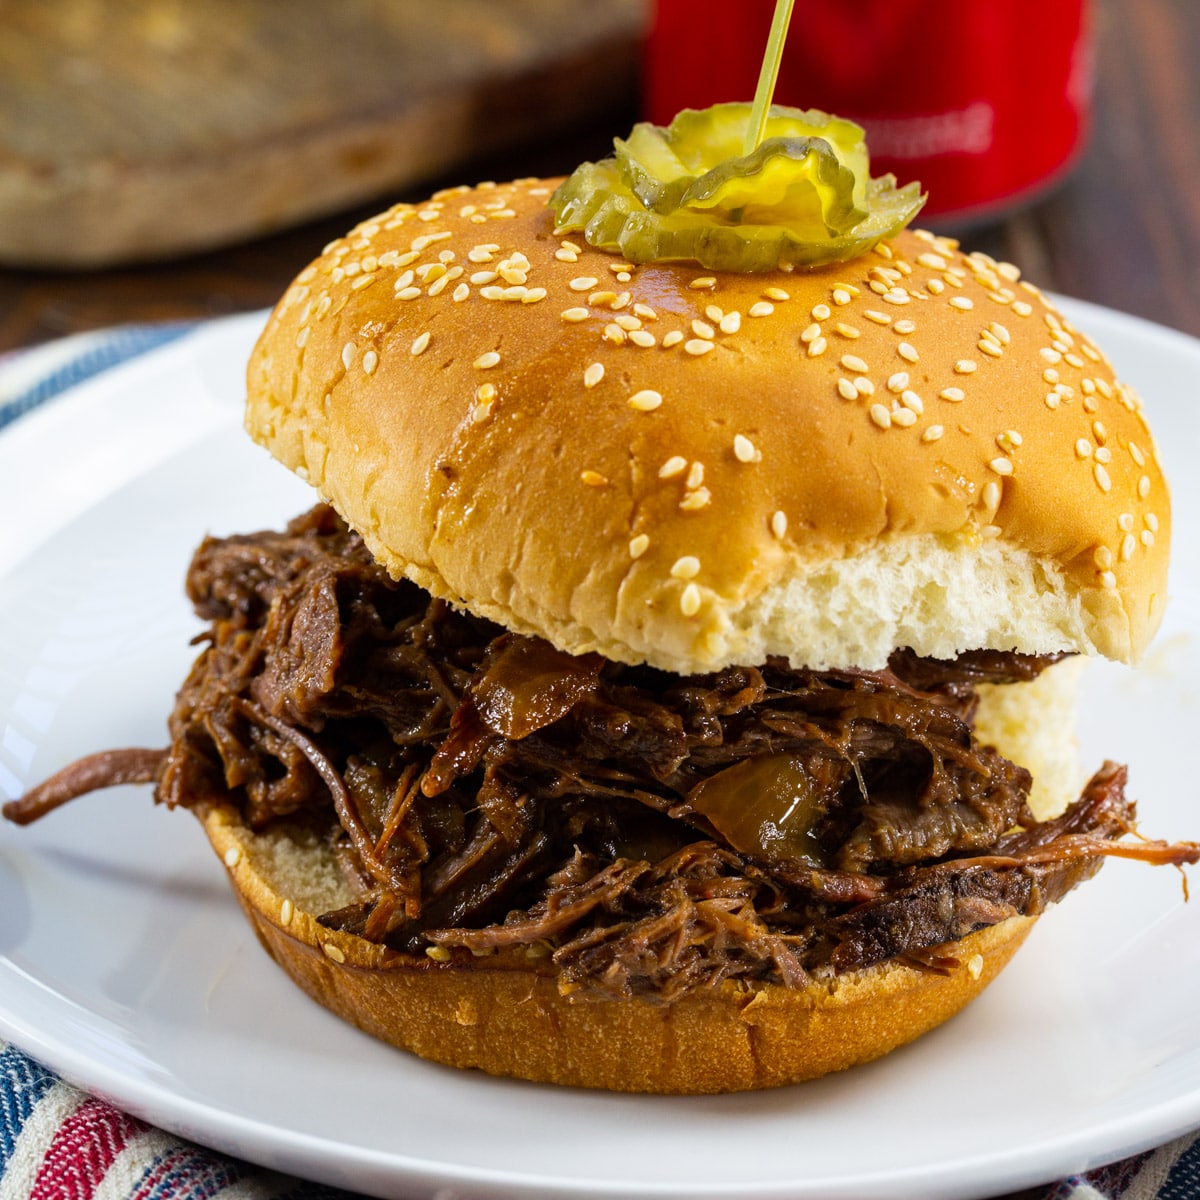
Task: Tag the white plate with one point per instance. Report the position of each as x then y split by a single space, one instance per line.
126 966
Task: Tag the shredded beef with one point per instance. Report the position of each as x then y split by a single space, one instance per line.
648 833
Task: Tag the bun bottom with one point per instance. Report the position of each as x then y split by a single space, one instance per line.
504 1013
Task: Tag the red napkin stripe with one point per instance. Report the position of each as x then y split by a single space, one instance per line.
84 1148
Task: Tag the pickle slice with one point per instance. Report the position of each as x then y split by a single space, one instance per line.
685 192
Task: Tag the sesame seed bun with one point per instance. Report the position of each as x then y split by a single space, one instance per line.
691 469
505 1014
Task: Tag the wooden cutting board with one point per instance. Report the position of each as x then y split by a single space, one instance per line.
141 129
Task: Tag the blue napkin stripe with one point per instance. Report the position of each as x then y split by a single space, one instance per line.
118 346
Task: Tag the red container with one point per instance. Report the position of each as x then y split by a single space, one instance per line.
986 102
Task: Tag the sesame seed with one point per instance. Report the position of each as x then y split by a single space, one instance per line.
647 400
673 338
1102 556
533 295
1000 333
1109 580
583 283
975 966
675 465
933 433
593 375
817 347
714 313
643 338
482 253
614 333
638 545
370 361
575 314
695 476
421 343
896 296
841 296
1102 477
779 523
702 282
646 312
964 366
846 389
485 361
1103 454
898 382
912 401
1125 522
349 350
423 243
811 333
744 449
408 293
853 363
704 330
1135 452
687 567
935 262
333 952
761 308
1001 465
1151 521
232 856
936 287
904 417
879 318
906 351
820 312
1143 488
1147 538
774 293
438 953
1128 547
461 293
286 911
905 327
731 322
1022 309
689 600
629 321
562 255
698 346
848 331
695 500
493 292
953 394
962 303
1009 440
991 495
881 416
864 385
593 478
991 347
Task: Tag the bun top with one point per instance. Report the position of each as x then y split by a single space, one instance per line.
690 469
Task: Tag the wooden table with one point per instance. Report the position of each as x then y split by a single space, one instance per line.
1124 231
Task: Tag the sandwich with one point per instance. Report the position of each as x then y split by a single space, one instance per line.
672 689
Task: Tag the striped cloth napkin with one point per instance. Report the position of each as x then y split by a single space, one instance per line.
58 1143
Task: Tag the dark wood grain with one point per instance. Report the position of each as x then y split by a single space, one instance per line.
1123 231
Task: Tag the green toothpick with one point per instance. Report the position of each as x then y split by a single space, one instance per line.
768 75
